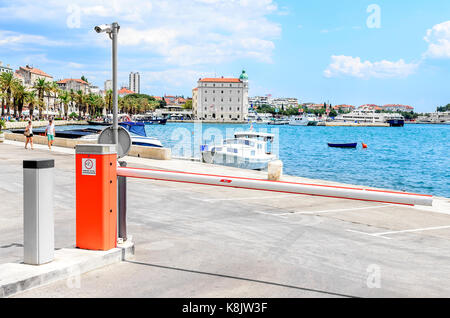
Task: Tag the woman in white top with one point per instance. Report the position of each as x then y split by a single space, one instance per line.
29 135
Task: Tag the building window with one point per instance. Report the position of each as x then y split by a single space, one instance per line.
230 109
239 91
214 85
239 99
214 99
231 85
221 99
214 92
222 92
206 92
238 108
206 99
230 116
221 108
230 99
206 108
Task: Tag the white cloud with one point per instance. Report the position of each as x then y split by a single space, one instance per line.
342 65
15 39
438 38
206 31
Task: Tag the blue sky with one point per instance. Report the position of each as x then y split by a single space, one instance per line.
352 52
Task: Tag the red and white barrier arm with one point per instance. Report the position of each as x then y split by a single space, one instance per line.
279 186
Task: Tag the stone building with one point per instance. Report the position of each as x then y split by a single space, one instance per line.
221 99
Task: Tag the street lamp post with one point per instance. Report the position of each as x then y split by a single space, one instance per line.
113 30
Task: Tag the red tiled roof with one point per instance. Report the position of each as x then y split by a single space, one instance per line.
64 81
195 89
221 80
399 105
157 97
35 71
125 90
18 74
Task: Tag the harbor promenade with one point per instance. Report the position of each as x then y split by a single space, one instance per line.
201 241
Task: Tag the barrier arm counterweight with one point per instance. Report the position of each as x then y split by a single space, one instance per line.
350 193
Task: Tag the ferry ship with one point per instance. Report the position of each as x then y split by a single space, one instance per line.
370 116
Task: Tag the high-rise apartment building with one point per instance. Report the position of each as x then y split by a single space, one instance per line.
135 82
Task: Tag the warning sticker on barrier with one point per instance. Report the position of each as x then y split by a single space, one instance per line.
89 167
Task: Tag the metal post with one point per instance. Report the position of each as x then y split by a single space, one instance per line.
122 195
113 35
38 217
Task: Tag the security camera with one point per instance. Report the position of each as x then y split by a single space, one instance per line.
103 28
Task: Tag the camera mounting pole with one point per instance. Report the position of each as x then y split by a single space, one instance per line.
113 35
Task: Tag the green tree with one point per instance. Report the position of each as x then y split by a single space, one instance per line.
31 100
40 86
19 94
7 84
188 104
64 98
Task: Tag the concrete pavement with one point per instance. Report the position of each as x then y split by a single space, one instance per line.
200 241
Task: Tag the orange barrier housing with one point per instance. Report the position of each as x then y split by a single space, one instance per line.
96 200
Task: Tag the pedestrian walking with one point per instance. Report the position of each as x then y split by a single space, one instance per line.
50 133
29 135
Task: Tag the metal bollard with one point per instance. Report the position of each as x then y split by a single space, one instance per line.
122 195
38 217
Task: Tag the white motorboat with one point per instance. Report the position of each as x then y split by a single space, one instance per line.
303 120
247 150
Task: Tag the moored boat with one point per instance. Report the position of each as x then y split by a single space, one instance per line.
247 150
345 145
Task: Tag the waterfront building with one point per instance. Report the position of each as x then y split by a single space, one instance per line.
5 69
285 103
222 99
108 85
74 84
19 77
94 89
135 82
398 108
344 108
259 101
435 118
314 106
174 100
31 74
370 107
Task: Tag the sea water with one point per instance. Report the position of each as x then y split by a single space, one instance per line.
413 158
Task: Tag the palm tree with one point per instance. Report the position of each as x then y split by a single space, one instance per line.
108 100
80 101
64 98
31 100
72 98
41 87
19 94
53 88
7 83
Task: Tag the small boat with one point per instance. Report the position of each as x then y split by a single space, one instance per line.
138 135
98 123
278 121
298 121
149 120
349 145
